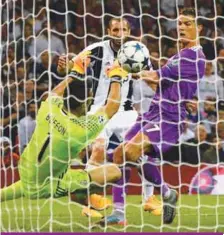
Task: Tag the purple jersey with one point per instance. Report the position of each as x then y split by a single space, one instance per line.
178 83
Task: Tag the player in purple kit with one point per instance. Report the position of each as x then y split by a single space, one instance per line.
157 130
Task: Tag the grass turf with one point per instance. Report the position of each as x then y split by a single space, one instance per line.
204 213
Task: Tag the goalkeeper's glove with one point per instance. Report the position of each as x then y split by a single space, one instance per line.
80 63
116 73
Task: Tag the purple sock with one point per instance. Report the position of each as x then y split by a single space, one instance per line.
110 155
153 175
118 192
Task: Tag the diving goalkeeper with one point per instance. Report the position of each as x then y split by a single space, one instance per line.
63 129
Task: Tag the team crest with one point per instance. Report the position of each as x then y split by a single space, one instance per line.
101 119
174 63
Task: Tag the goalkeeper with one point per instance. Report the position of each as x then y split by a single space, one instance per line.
63 130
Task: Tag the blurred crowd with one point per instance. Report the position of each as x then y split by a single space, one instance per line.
34 35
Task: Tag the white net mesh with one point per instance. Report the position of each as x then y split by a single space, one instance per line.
33 36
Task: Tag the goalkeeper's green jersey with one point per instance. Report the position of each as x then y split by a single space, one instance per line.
58 138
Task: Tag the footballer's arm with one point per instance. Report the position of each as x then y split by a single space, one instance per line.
64 65
116 74
79 64
113 99
150 77
59 89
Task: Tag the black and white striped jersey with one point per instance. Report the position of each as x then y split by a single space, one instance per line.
102 56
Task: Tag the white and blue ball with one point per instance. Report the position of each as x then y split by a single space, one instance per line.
133 56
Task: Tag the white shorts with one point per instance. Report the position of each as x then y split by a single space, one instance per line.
119 124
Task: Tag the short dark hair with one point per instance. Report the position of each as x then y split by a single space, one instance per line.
190 11
76 93
118 20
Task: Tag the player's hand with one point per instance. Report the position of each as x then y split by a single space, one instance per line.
141 75
116 71
81 62
62 61
62 64
149 76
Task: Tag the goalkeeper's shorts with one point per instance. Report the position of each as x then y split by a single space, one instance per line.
61 186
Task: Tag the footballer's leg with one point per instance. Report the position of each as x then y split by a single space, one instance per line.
75 181
81 179
98 153
100 176
105 174
97 158
11 192
118 216
137 147
142 142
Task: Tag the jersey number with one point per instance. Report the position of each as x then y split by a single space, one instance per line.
43 149
154 128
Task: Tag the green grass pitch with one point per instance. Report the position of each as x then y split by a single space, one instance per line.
195 213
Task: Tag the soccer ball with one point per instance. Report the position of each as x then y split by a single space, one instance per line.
133 56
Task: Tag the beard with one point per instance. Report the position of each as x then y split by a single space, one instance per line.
118 42
33 114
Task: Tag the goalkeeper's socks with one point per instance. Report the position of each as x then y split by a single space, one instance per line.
120 188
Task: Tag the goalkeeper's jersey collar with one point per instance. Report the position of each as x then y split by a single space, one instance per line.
68 114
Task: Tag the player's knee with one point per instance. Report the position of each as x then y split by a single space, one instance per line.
118 156
139 145
114 173
98 151
132 152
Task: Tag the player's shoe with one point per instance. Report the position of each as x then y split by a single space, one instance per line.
97 202
153 205
86 211
169 207
112 219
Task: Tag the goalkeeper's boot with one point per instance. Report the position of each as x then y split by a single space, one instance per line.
116 218
169 207
153 205
97 202
86 211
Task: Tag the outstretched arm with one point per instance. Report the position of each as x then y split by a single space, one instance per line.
65 64
113 100
80 63
150 77
116 74
59 89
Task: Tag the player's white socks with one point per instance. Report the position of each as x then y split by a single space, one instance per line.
147 189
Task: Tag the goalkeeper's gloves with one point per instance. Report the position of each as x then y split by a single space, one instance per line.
80 63
116 73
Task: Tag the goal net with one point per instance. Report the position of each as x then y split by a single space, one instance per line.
34 34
